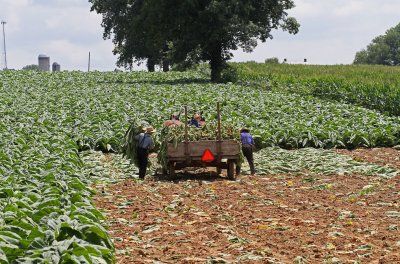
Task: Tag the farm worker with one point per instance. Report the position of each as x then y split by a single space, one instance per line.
247 149
173 121
146 143
196 120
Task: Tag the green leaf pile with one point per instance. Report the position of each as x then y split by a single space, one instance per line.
310 161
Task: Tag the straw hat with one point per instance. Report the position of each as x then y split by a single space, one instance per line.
176 116
244 129
149 130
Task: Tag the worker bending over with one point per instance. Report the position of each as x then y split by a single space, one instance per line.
173 121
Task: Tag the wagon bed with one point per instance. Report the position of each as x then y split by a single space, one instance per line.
222 154
189 154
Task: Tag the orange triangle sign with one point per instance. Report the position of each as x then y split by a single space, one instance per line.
207 156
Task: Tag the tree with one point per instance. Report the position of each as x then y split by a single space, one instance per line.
216 27
273 60
32 67
178 28
384 49
126 22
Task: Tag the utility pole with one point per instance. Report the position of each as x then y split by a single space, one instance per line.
5 50
88 67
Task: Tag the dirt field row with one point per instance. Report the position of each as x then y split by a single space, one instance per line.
261 219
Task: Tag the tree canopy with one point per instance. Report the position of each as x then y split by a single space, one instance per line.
124 20
31 67
176 29
384 49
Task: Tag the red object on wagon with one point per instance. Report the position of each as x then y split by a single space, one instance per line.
208 156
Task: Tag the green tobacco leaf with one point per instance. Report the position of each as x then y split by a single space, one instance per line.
11 251
97 260
96 235
69 258
49 237
10 234
66 232
19 231
6 192
52 256
45 211
3 257
32 260
77 184
37 243
9 240
64 245
50 202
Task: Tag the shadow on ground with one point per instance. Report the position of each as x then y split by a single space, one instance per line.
210 176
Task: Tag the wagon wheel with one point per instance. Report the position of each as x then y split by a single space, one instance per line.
231 170
171 169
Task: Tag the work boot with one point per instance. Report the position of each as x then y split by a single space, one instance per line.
252 169
141 175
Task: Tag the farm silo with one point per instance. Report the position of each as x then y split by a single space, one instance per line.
44 62
56 67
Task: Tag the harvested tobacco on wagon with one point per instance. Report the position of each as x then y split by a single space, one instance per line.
176 134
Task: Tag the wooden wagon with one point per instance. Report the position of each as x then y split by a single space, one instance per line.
221 154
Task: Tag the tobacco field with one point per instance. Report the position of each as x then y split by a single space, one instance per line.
67 195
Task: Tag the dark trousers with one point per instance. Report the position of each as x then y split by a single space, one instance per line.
143 160
248 153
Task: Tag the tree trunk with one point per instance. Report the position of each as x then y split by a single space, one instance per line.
151 65
216 63
165 65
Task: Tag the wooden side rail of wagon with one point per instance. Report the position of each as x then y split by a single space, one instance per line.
221 154
226 159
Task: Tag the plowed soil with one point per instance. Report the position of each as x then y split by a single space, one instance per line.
205 218
380 156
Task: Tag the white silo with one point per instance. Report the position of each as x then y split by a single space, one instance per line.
44 62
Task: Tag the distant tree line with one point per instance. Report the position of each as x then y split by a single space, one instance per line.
273 60
31 67
185 32
384 49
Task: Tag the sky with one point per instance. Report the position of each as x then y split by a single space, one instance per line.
331 32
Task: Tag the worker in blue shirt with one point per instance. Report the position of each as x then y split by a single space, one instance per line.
146 143
197 120
248 146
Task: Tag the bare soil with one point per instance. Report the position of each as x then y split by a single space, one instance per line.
380 156
205 218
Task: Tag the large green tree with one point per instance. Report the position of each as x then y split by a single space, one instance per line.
210 28
216 27
126 21
384 49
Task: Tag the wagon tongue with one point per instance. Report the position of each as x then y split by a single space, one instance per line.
208 156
